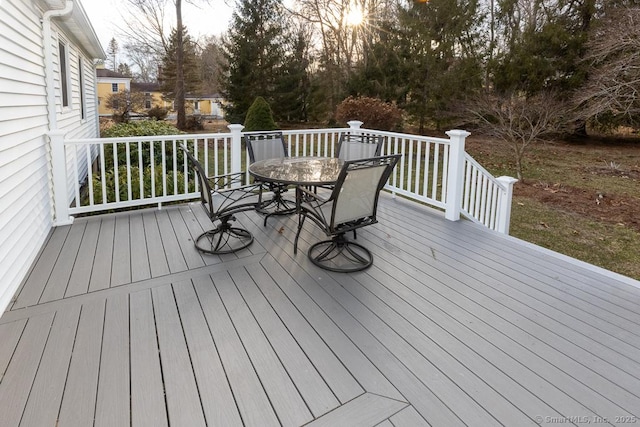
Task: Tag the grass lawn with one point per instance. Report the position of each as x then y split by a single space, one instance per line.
580 199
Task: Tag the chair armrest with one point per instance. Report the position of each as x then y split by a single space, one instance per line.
310 196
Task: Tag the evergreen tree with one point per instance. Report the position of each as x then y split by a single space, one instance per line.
112 51
439 45
259 116
291 97
168 78
253 52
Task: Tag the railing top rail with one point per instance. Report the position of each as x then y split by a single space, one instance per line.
482 170
408 136
149 138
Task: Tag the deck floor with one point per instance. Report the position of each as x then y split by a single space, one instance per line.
122 322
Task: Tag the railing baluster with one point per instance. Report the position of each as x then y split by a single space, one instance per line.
89 174
102 175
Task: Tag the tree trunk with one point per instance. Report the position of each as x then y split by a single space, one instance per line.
179 94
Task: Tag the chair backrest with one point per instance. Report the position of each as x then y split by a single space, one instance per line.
265 145
355 195
206 195
354 147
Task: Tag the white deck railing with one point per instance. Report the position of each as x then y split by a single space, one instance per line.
114 173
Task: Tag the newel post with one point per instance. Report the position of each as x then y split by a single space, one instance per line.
236 147
504 210
455 175
59 178
355 124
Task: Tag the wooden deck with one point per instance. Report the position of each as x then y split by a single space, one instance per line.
122 322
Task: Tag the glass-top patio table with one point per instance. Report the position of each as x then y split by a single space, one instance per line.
298 171
305 171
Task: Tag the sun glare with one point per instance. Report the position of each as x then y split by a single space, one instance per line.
355 16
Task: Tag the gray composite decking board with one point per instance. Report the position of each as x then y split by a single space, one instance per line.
79 398
409 385
31 291
113 404
35 310
10 334
81 273
448 330
565 374
588 396
363 411
530 297
181 390
354 360
18 379
491 249
148 406
406 337
140 269
101 272
313 389
385 423
559 307
560 361
536 264
509 356
289 406
46 394
194 229
521 317
435 382
191 255
215 393
121 267
172 249
251 399
590 339
408 417
334 373
157 256
59 279
502 321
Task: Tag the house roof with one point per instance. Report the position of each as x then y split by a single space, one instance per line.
104 72
78 25
145 87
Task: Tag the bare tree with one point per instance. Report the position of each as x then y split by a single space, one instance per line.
519 121
123 104
613 85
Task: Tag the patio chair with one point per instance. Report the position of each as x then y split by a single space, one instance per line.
354 147
221 202
352 204
264 146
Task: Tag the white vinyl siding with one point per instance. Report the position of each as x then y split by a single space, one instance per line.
25 190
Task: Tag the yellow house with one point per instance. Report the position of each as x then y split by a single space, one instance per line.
109 82
205 105
152 95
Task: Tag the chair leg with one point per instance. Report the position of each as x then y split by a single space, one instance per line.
223 239
301 219
340 255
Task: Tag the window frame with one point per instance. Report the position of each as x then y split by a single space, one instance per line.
63 65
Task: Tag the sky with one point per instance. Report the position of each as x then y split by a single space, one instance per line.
204 19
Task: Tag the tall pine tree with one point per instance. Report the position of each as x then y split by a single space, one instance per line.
253 51
169 75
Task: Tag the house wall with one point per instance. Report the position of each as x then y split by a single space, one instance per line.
25 187
105 90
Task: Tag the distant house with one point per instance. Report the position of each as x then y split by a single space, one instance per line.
110 82
47 89
205 105
152 95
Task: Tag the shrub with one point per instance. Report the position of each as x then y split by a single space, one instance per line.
135 184
140 128
375 113
194 122
259 116
158 113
